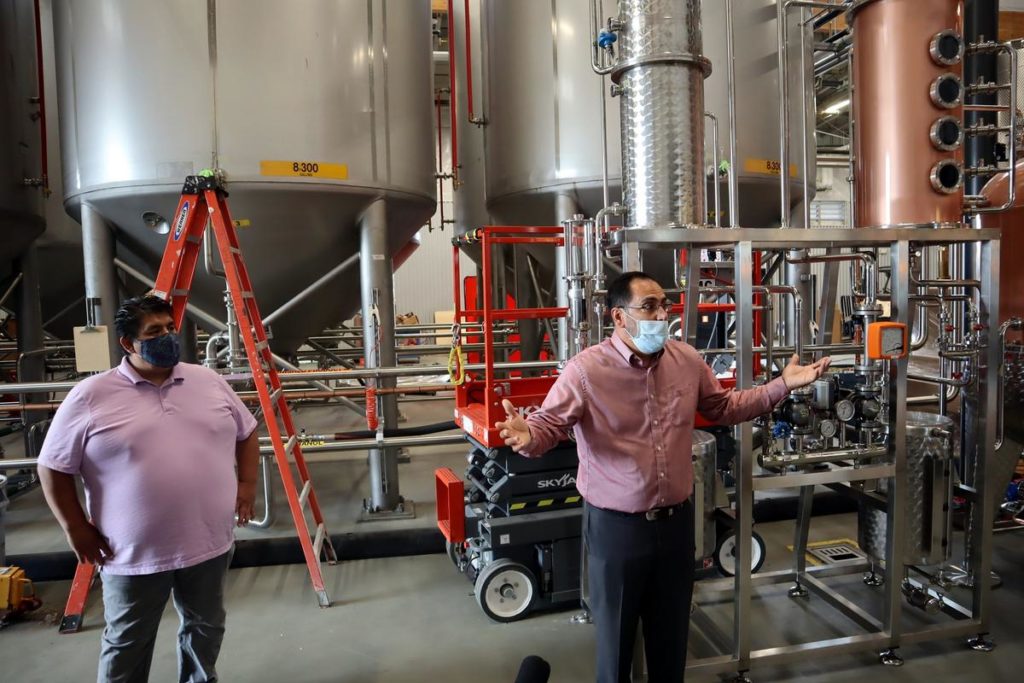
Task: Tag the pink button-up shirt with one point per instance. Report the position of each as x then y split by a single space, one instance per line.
633 421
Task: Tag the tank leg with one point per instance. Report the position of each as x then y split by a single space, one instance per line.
740 677
581 618
890 657
981 643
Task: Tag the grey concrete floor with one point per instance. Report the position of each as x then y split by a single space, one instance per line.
414 618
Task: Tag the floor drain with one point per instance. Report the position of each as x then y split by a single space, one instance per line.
837 553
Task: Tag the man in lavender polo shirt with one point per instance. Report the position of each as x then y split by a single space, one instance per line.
631 402
168 455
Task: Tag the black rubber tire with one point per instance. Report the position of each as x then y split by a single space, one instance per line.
725 553
506 591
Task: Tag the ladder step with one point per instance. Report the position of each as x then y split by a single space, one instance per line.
194 240
262 346
275 395
235 250
304 495
318 541
288 447
179 292
248 295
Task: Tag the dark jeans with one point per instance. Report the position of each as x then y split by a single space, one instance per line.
133 606
640 571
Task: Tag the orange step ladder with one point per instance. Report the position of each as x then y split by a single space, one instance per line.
203 199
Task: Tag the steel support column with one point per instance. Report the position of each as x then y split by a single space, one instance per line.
101 300
377 296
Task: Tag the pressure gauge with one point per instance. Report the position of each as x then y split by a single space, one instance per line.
887 341
828 428
845 410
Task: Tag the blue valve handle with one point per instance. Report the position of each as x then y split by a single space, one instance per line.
606 38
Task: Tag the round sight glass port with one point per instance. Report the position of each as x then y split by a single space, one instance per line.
947 91
947 134
947 176
947 48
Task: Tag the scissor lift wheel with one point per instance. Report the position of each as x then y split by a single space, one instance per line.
725 554
506 590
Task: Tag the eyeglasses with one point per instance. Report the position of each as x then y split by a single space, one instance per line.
651 307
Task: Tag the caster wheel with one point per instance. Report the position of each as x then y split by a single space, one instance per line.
456 553
725 554
873 579
890 658
506 590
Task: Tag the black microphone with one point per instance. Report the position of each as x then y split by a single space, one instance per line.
533 670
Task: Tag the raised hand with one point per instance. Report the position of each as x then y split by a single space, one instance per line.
796 375
514 430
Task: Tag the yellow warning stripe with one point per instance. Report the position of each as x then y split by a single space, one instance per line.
545 503
517 506
572 499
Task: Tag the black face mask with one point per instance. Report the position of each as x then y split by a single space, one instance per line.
163 351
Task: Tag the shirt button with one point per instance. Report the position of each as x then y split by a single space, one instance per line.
655 423
661 474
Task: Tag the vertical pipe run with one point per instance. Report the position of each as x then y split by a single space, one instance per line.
730 71
32 368
100 277
377 297
780 19
565 209
981 23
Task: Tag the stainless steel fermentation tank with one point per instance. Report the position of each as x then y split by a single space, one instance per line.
340 90
544 106
20 204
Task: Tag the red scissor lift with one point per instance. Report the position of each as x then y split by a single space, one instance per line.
516 535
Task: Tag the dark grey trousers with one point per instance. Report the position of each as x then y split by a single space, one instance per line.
640 571
133 606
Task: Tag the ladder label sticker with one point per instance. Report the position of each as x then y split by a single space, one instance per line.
504 539
179 225
767 167
304 169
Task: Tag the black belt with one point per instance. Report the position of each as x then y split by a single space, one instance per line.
651 515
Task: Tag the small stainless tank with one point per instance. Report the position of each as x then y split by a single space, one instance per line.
705 452
930 446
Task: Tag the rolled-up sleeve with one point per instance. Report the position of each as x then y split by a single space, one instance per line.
559 412
68 434
728 406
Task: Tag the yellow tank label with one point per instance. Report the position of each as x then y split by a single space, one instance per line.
304 169
767 167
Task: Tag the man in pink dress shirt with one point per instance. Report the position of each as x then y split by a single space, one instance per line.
168 455
631 401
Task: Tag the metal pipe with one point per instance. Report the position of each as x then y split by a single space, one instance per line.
311 289
730 72
940 380
805 103
202 316
1016 324
870 270
208 260
268 497
783 67
453 99
714 173
595 54
1011 197
100 278
394 442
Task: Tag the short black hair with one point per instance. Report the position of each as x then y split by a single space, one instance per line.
128 318
620 291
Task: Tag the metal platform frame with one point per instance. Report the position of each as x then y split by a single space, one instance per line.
887 632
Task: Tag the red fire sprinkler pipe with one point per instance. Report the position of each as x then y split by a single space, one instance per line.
469 66
452 96
440 161
43 166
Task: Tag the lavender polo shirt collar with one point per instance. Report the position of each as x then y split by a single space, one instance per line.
127 370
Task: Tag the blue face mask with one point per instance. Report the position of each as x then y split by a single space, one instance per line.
651 335
163 351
